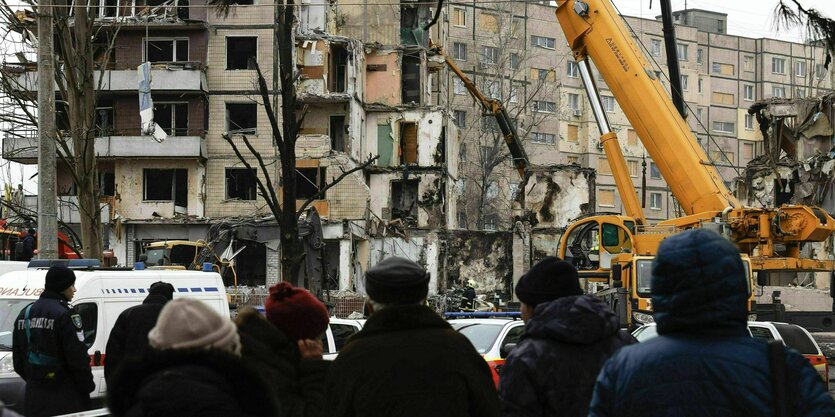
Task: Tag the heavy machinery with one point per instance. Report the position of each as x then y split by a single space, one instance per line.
496 109
618 249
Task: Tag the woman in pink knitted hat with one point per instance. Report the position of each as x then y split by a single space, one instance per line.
193 369
288 345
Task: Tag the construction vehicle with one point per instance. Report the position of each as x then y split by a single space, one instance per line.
618 249
496 109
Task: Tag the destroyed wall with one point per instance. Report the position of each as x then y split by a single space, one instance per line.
556 195
417 199
383 78
375 21
484 257
407 137
139 186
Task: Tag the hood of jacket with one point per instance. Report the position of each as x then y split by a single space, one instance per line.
700 286
579 319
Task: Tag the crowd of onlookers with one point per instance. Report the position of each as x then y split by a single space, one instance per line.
180 358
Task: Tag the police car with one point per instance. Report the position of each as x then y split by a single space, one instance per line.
493 335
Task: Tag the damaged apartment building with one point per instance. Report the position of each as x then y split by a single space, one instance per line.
365 83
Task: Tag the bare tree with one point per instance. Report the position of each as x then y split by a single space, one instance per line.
83 46
285 133
503 73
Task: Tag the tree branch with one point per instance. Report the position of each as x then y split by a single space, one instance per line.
336 180
267 192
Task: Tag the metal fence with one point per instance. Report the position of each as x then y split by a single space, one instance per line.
340 303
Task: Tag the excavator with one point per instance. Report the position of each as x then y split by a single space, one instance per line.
496 109
619 249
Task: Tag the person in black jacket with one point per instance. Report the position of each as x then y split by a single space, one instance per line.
407 361
288 346
192 369
568 336
129 336
704 361
49 351
28 246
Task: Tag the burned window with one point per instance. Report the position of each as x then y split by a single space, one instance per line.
404 198
172 117
408 143
337 132
107 183
241 118
62 116
240 183
241 52
166 50
411 79
166 185
309 181
104 121
338 74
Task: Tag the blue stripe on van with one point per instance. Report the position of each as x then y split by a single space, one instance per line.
133 290
211 289
182 289
198 289
142 290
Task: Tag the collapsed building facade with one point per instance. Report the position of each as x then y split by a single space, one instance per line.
796 168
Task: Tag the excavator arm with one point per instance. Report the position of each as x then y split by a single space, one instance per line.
495 108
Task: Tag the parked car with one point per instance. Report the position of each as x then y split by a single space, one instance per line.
791 335
337 334
493 338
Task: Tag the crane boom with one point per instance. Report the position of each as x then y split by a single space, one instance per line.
593 29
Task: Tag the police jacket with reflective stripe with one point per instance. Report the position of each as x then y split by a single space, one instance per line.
53 349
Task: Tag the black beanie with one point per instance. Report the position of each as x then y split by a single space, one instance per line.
549 279
397 280
59 278
162 288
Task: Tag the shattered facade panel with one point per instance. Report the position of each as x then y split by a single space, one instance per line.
553 197
383 78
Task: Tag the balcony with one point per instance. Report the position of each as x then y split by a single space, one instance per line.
23 147
165 76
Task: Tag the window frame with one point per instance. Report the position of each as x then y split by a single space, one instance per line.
459 11
782 65
226 51
459 51
173 40
253 171
652 197
254 130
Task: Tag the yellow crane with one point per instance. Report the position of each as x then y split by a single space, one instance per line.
619 249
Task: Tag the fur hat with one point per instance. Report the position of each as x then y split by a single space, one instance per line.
549 279
296 312
59 278
162 288
397 280
186 323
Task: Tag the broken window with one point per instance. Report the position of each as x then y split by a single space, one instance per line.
309 181
404 197
104 121
107 183
166 185
572 134
338 74
411 79
240 184
722 98
166 50
241 51
172 117
747 151
337 132
408 143
782 193
489 22
241 118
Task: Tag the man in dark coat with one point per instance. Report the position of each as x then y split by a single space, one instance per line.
49 350
407 361
287 345
704 362
129 336
568 336
28 246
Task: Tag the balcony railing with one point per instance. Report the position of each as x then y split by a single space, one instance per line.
165 76
22 146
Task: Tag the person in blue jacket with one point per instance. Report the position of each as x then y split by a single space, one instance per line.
704 362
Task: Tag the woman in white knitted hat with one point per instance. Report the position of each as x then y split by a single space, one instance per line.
194 369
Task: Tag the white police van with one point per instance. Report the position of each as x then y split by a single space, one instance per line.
102 294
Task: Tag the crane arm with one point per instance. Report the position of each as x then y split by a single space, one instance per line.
495 108
594 30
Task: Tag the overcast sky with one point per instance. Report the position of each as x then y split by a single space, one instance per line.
751 18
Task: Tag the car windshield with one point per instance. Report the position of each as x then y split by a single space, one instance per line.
9 309
645 333
481 335
155 256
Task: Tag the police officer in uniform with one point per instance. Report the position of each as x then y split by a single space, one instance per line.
49 350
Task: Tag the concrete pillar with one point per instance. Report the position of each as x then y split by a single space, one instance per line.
345 257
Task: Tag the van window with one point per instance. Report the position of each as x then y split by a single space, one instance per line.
341 333
513 335
794 337
9 309
89 313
